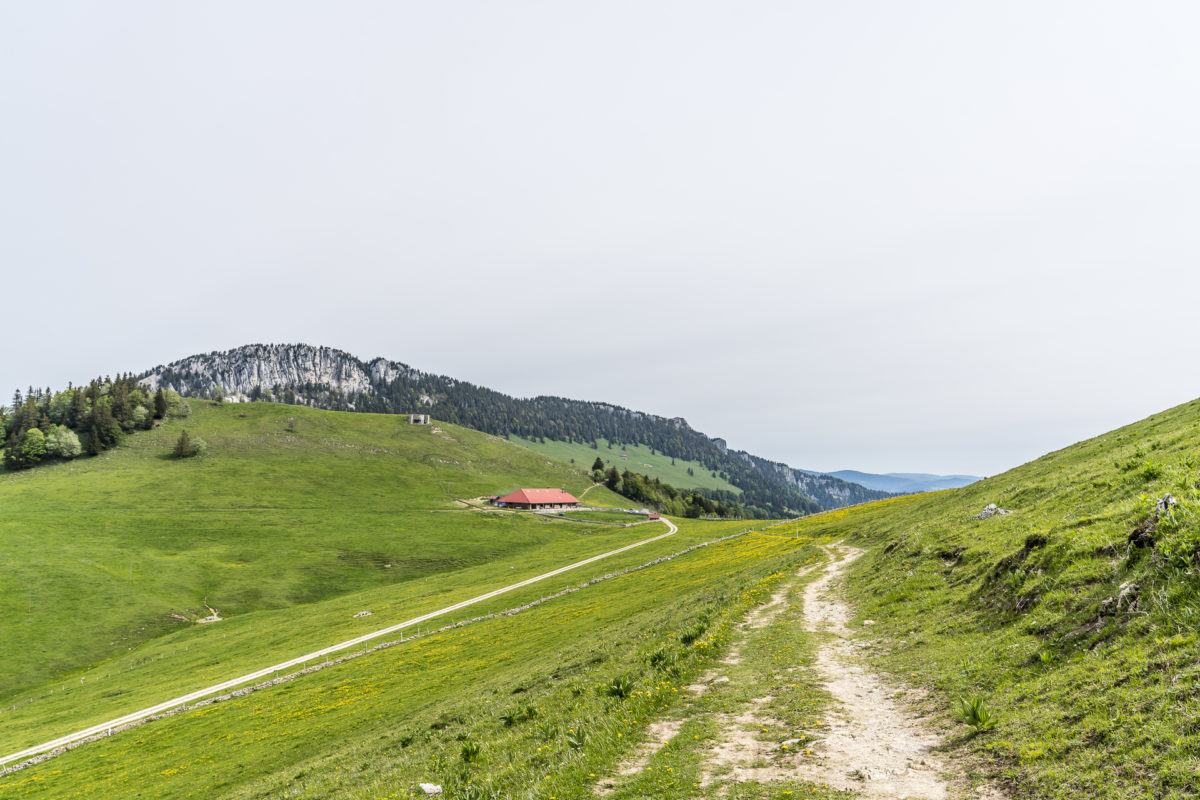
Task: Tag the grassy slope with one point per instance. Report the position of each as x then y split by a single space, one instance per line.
98 553
201 655
619 517
640 460
377 725
1094 701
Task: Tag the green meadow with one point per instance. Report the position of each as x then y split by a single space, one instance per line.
533 691
294 521
639 459
289 507
1073 620
619 517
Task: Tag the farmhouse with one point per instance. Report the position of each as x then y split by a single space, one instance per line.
538 498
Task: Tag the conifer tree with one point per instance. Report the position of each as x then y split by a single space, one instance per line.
612 479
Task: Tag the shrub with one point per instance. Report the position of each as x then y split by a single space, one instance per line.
693 633
619 687
186 446
1151 472
975 715
664 660
62 442
176 405
522 714
576 737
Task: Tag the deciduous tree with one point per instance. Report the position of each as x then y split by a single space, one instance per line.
33 449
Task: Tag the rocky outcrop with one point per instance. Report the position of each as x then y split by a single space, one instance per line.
266 370
991 510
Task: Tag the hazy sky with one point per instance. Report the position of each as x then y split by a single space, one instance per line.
920 236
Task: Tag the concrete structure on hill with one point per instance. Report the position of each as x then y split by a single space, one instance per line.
418 419
535 499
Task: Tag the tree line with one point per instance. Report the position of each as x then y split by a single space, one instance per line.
666 498
44 425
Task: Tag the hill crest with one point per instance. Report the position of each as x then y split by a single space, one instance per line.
325 377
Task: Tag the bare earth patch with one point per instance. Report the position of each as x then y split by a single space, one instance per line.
765 614
657 737
872 745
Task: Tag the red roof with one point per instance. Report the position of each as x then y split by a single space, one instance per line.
538 497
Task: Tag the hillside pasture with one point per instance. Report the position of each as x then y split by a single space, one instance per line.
640 460
380 723
289 507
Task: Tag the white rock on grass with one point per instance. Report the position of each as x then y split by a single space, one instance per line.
990 511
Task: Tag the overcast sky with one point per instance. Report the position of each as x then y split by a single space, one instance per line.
921 236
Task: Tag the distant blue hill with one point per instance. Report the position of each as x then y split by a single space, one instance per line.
903 482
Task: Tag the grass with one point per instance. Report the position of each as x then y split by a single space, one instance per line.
290 507
378 725
1084 646
772 678
200 655
261 528
640 459
604 516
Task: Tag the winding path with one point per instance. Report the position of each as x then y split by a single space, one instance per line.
105 727
872 744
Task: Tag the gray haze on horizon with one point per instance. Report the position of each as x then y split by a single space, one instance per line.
918 237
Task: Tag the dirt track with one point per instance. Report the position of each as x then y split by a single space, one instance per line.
871 743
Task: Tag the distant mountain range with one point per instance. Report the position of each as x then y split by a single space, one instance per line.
904 482
323 377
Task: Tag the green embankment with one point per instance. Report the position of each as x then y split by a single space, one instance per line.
640 460
1085 646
